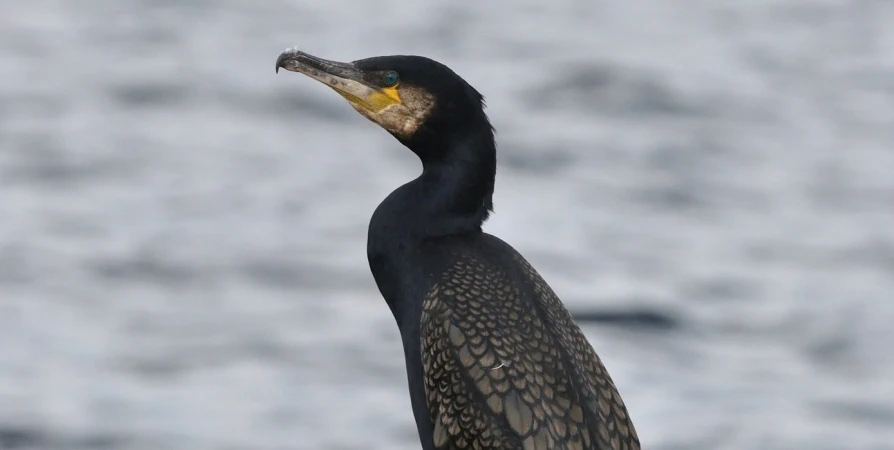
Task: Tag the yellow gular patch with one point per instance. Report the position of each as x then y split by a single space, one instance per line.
379 100
392 92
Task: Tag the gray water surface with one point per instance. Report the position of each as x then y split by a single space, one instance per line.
182 232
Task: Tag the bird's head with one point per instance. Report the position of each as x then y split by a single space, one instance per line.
416 99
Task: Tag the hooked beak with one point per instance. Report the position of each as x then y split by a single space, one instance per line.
349 81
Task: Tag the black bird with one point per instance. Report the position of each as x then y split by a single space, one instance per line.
494 360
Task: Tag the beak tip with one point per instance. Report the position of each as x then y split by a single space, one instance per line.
286 54
294 60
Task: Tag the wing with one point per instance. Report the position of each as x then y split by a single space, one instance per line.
505 372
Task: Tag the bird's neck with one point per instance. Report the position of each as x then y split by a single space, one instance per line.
454 194
452 197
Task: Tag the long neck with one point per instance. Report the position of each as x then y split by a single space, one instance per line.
453 196
455 191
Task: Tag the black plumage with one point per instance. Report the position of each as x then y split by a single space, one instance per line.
494 360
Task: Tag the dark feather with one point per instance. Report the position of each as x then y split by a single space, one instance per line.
506 367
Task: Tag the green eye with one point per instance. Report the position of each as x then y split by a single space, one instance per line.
390 78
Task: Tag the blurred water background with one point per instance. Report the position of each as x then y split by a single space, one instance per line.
708 185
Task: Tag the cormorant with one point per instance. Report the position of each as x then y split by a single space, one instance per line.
493 358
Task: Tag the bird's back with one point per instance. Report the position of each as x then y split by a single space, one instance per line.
506 367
